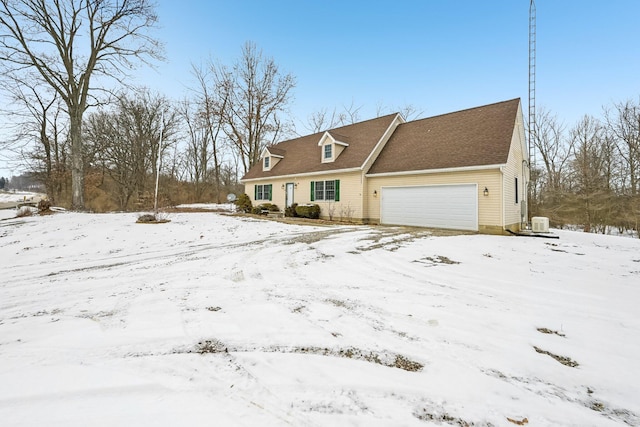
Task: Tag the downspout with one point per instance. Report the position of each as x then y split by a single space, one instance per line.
524 207
502 198
364 201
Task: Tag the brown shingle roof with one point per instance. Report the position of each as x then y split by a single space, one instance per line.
302 155
474 137
338 137
275 151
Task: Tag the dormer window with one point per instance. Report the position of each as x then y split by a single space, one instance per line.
270 157
332 145
328 151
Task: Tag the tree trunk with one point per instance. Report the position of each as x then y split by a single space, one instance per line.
77 160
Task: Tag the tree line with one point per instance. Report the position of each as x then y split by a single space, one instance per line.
588 174
95 141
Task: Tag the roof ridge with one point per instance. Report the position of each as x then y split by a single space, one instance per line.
333 131
464 110
359 123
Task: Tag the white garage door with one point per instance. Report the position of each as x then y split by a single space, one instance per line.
437 206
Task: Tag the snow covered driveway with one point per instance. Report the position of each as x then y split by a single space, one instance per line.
219 320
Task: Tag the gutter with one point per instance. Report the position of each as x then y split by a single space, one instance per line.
298 175
432 171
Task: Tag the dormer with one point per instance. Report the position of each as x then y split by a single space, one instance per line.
270 157
331 146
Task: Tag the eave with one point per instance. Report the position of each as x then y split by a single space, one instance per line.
299 175
441 170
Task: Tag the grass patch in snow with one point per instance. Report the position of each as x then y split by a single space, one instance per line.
441 417
564 360
389 360
550 332
437 259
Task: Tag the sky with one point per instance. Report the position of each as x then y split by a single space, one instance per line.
439 56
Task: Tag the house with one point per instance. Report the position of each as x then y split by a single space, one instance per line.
465 170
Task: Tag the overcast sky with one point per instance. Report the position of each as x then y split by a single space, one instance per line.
439 56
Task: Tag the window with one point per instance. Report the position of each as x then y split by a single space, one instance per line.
319 194
325 190
517 199
266 162
330 190
263 192
328 151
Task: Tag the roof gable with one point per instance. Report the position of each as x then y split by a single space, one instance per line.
302 155
478 136
333 138
272 151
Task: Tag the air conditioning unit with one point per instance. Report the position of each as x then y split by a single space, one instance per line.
540 224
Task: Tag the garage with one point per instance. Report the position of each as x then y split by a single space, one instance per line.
436 206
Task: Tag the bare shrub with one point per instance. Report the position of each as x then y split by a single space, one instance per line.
346 212
331 211
44 205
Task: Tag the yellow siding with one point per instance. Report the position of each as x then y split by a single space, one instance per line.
512 170
350 193
489 207
274 161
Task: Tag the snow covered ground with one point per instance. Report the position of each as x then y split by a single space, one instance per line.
13 196
212 319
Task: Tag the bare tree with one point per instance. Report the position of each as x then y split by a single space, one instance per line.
623 126
408 112
322 120
325 119
69 42
552 145
36 114
51 155
127 142
198 155
257 96
590 191
213 102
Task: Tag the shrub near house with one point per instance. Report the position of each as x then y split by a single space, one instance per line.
308 211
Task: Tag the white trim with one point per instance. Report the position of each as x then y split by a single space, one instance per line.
299 175
323 153
429 185
503 213
324 136
399 118
519 127
327 134
430 171
368 175
270 154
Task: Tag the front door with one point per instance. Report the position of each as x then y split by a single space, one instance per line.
289 200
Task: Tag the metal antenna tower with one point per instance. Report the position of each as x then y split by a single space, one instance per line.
532 78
